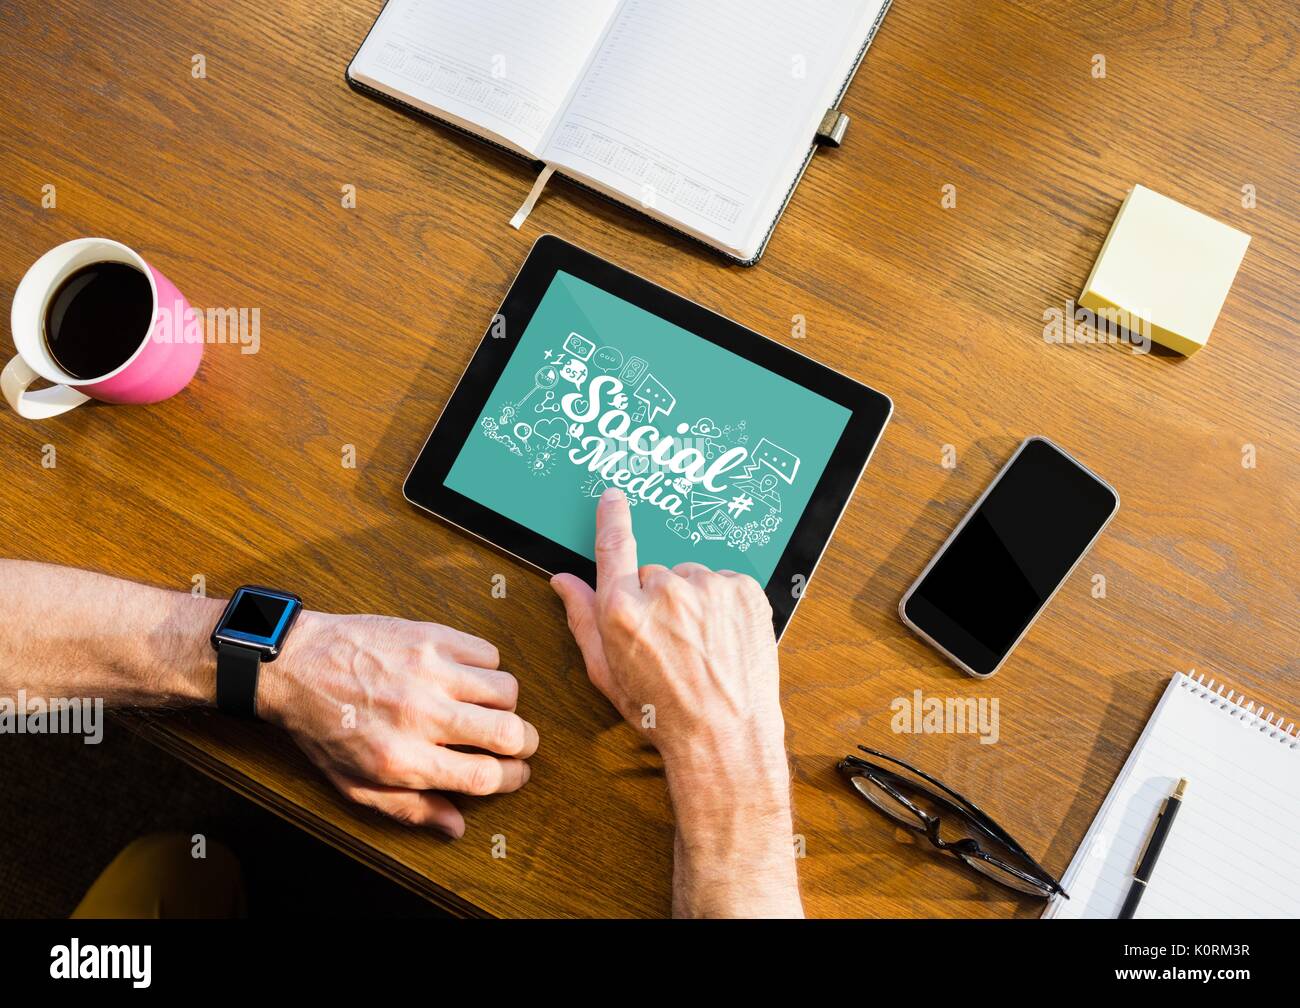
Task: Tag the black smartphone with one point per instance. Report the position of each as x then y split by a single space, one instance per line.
1005 560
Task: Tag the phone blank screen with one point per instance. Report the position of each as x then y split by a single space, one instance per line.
1011 555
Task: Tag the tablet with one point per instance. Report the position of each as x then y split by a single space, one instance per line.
734 451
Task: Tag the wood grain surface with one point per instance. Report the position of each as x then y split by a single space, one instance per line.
231 185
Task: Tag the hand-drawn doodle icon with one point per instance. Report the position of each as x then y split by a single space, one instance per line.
703 504
717 528
739 504
706 428
574 371
633 371
677 525
657 398
607 359
545 378
579 346
554 432
782 462
764 490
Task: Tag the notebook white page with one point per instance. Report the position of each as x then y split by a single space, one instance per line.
1234 847
702 114
499 68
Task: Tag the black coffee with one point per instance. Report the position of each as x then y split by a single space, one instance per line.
98 318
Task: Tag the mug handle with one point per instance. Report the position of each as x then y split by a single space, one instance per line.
38 405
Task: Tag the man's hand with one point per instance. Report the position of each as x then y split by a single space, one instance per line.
376 702
692 652
694 644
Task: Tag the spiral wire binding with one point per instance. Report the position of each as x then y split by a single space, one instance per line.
1244 710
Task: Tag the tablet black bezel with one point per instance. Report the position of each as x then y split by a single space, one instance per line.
425 485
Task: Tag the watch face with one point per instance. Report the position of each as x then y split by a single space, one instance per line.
257 617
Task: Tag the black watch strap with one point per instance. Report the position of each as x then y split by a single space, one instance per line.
237 669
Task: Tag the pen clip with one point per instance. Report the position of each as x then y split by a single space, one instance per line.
1142 854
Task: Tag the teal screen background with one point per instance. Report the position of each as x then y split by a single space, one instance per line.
728 401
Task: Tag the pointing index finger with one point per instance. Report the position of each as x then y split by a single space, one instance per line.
616 565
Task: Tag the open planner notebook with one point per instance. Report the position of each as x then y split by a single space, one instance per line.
1234 848
701 115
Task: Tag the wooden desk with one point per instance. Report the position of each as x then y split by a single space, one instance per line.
231 184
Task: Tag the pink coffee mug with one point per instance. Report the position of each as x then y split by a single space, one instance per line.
161 365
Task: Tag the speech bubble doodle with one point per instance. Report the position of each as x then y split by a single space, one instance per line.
782 462
579 346
574 371
607 358
657 398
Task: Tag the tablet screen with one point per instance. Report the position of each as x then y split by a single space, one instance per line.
718 455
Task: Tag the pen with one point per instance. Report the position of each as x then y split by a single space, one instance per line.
1147 862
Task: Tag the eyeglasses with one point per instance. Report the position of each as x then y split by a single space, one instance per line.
915 800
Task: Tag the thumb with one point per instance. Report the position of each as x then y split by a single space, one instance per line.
580 607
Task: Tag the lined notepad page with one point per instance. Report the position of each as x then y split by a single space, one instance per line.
500 67
1234 848
703 113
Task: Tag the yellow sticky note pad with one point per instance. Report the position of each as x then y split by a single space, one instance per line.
1164 270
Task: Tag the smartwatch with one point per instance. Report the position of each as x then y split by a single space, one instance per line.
251 631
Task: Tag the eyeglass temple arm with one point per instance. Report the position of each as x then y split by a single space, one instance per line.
986 820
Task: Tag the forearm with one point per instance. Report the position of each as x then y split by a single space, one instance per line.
733 855
71 633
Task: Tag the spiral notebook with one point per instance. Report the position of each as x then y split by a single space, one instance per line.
1234 850
703 116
